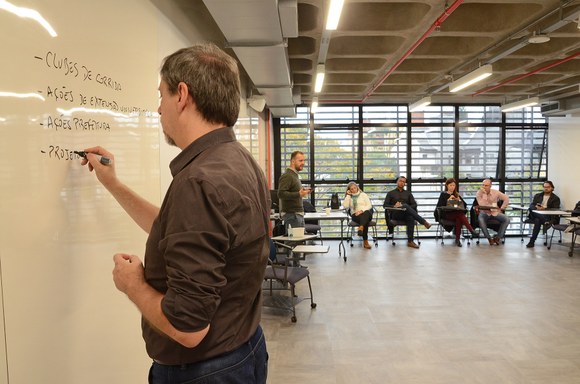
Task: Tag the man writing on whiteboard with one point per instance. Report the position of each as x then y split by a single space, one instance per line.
200 289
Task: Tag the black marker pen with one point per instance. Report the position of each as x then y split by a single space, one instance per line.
104 160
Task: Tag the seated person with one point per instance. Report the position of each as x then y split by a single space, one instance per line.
361 210
487 197
543 200
451 194
401 198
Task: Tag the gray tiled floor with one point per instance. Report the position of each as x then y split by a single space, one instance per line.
439 314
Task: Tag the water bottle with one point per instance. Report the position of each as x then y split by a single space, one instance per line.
290 234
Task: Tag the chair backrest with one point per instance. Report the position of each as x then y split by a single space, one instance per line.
275 201
392 222
308 207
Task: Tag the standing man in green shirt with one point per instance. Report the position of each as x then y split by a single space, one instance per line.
291 192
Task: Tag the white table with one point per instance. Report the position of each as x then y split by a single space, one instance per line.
551 212
285 238
333 215
308 249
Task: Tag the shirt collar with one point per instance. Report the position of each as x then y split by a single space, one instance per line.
215 137
292 169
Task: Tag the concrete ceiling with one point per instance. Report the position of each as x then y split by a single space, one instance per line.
370 59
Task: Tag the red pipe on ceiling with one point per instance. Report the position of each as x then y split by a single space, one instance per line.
433 27
517 78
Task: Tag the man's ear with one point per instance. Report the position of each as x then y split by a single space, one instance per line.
183 93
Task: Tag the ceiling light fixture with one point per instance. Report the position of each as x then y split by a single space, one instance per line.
471 78
420 105
319 78
334 12
538 38
520 104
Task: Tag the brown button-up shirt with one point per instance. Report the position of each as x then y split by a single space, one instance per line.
208 249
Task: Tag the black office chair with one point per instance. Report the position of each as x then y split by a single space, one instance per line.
392 223
492 223
311 226
353 226
281 276
552 220
446 225
556 226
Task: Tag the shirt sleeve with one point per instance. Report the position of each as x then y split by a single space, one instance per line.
412 201
388 201
505 200
554 203
194 248
347 202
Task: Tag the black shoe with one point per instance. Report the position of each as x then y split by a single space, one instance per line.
458 243
530 244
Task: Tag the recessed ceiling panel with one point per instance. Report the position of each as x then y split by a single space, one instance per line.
364 45
348 78
452 46
491 18
331 88
309 18
410 78
427 65
301 46
354 64
301 65
381 16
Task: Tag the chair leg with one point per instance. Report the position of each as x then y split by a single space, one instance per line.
550 241
292 295
350 239
312 303
439 233
417 233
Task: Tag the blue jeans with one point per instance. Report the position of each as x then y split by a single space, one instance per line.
503 220
293 219
246 365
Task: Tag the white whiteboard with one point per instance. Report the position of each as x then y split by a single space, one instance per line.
64 320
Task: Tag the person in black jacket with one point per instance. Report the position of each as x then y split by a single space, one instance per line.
401 198
451 194
542 201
